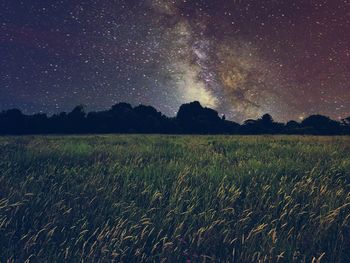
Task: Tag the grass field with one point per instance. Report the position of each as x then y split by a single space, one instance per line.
175 199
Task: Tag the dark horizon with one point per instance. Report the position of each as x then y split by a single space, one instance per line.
88 109
192 118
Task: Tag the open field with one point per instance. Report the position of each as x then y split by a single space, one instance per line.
175 199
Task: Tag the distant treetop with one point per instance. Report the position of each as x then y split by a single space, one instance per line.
192 118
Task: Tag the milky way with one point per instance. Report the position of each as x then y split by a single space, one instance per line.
243 58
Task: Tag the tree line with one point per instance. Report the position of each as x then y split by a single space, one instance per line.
191 118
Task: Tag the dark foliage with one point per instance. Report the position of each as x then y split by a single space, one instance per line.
191 118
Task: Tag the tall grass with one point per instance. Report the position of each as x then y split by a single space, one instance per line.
174 199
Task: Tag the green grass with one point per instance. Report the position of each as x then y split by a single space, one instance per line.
175 199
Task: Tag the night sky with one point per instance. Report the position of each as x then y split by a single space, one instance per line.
243 58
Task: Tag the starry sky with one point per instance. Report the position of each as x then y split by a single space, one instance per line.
243 58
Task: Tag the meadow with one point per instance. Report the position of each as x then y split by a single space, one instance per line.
154 198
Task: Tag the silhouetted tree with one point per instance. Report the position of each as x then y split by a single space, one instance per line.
100 122
149 120
263 125
321 125
124 118
58 123
37 124
266 120
292 127
75 122
249 127
266 124
12 122
191 118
